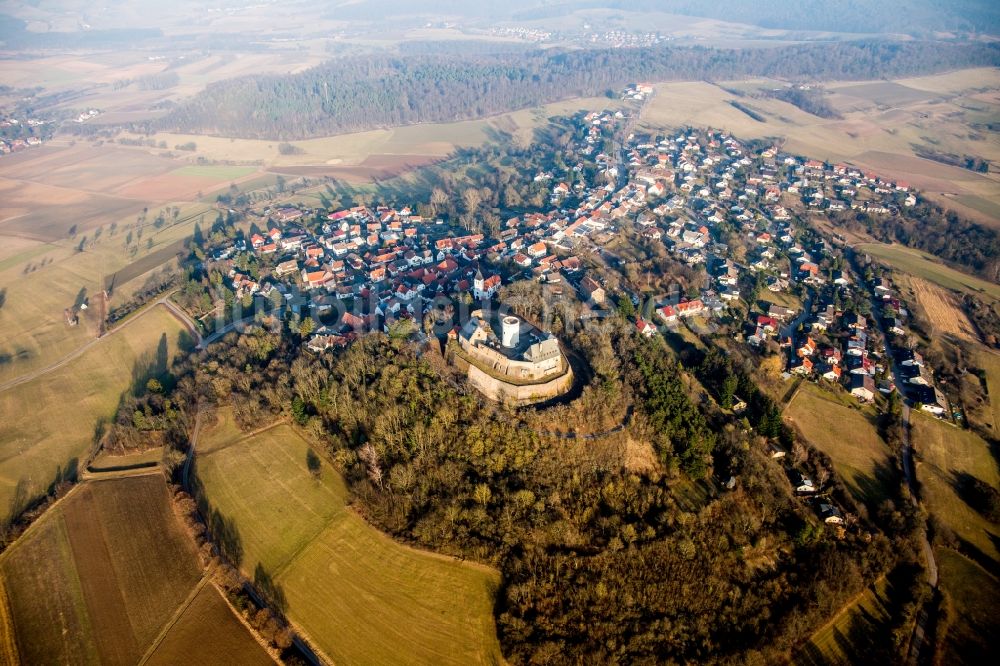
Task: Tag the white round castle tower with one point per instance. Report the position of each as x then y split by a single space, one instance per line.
510 334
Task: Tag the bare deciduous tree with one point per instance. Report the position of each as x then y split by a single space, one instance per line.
370 457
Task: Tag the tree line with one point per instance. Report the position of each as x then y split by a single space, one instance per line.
810 100
929 227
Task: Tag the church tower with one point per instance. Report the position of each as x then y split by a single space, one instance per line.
478 284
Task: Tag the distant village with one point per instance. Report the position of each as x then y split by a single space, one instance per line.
587 36
19 133
10 126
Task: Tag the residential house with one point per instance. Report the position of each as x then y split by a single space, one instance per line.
690 308
863 387
801 366
645 328
830 372
831 515
931 400
668 314
779 312
803 484
286 268
592 290
911 357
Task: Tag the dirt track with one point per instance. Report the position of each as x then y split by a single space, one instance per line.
76 353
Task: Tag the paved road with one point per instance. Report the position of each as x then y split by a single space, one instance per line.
189 323
789 329
909 470
918 637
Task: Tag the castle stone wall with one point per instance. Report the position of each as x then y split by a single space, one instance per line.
501 391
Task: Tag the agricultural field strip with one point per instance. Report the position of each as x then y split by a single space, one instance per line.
111 626
238 616
55 564
221 173
60 512
8 641
991 360
232 641
101 475
973 590
943 312
168 625
346 541
28 181
945 450
134 536
28 254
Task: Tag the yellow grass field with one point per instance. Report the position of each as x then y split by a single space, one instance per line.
974 593
832 644
44 227
41 565
49 422
954 82
945 452
43 278
356 594
35 332
989 360
860 457
943 310
930 268
8 644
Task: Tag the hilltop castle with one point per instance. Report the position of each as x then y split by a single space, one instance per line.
522 365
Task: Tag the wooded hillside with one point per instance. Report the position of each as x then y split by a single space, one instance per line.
354 94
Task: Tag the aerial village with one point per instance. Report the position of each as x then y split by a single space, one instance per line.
729 212
687 192
785 291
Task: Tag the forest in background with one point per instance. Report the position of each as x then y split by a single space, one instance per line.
915 17
355 94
